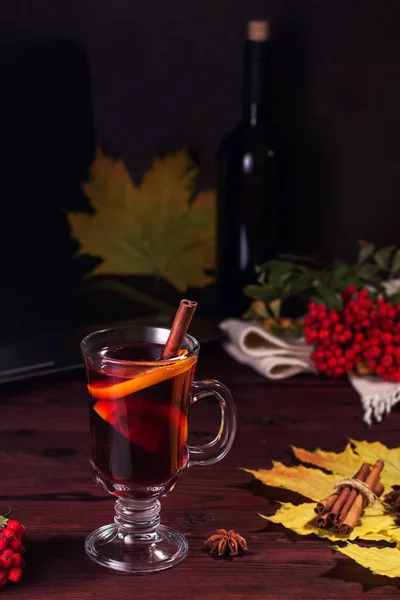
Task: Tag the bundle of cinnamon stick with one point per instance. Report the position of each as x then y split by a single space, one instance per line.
342 510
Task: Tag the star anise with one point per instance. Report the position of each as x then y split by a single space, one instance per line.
224 540
393 501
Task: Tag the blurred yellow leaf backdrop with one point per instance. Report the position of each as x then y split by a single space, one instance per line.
160 227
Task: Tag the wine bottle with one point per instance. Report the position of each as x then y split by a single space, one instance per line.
247 219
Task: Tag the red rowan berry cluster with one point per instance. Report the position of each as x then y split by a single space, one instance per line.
12 536
362 338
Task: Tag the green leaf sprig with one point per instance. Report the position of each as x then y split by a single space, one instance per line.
285 287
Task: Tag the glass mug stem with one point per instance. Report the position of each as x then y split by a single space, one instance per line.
137 520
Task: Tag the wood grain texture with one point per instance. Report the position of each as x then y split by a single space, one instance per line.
47 479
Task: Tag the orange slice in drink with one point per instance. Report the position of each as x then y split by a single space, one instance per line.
152 376
146 425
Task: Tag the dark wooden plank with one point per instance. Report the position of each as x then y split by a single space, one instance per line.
46 477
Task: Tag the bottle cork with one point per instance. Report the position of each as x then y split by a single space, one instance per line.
258 31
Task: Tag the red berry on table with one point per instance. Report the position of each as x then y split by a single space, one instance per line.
15 525
387 361
8 533
386 338
15 574
3 574
334 317
15 544
17 559
22 549
3 542
5 558
338 372
21 535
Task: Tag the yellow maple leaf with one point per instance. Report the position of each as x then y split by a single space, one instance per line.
370 452
156 228
301 519
311 483
381 561
382 536
344 463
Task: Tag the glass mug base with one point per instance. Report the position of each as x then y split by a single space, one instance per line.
106 547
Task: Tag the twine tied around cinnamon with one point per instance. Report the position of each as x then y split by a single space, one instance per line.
360 486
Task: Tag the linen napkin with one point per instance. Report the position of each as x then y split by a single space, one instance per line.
270 355
277 357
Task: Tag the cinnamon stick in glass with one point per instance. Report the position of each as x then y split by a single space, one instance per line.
179 328
357 508
345 494
339 513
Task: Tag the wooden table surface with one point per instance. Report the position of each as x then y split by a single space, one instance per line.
46 478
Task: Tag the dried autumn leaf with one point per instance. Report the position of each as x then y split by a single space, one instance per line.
381 561
311 483
156 228
344 463
370 452
377 537
301 519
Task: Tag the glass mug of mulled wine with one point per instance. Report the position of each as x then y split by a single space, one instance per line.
138 432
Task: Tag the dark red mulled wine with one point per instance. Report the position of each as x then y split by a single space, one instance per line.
138 419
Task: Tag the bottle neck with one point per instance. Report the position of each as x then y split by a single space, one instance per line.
256 83
255 113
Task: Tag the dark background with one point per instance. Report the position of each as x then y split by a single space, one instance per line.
168 73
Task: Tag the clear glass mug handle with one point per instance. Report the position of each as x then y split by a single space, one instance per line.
208 454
